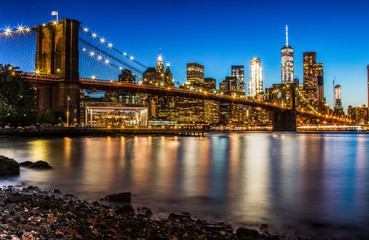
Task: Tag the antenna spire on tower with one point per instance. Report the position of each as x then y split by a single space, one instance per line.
286 35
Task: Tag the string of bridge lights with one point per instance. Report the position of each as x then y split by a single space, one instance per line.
19 29
110 45
100 58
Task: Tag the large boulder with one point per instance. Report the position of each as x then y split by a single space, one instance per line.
8 166
124 197
40 165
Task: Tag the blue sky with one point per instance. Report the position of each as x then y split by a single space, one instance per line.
219 34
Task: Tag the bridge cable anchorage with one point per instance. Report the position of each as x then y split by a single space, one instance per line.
110 56
101 40
106 60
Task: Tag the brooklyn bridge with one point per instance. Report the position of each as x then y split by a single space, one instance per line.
59 50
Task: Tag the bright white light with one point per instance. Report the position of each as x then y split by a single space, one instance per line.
8 30
92 53
131 58
120 68
28 29
124 54
94 35
102 40
85 29
84 49
106 61
110 45
55 22
93 77
20 28
99 57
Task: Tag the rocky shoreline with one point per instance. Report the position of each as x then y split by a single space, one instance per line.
29 213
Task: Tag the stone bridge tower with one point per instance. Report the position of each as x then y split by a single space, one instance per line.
57 53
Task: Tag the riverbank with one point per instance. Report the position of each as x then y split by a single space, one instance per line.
30 213
97 132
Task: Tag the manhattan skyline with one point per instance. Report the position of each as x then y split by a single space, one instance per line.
220 34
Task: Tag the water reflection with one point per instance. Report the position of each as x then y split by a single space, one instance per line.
290 181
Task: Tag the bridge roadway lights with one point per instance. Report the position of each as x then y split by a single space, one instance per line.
284 120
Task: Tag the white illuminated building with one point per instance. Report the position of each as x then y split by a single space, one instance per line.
256 81
287 68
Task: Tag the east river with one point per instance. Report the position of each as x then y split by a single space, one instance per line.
313 184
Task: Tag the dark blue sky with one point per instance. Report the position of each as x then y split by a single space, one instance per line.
218 34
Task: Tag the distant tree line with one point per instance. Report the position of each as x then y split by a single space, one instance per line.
18 102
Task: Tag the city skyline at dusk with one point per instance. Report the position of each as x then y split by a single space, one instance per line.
220 34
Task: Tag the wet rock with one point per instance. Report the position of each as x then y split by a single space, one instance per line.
124 197
244 233
40 165
263 228
26 164
145 212
8 166
126 210
179 216
18 198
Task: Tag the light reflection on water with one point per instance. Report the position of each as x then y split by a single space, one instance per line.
290 181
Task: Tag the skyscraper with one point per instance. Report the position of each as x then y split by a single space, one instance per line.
367 68
195 75
238 71
287 67
309 81
338 110
320 81
256 81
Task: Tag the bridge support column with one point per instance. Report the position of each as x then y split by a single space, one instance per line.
57 53
284 120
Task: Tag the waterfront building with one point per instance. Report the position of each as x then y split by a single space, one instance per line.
287 62
238 71
360 115
338 110
256 81
195 75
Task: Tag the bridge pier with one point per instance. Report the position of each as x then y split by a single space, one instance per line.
284 120
57 53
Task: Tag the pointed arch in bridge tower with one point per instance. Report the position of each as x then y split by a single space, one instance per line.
57 54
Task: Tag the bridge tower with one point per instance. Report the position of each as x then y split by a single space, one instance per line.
57 54
285 120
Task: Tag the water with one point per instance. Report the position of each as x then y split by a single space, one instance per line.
307 184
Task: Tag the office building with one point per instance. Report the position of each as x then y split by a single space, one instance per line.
238 71
256 81
287 65
195 75
338 110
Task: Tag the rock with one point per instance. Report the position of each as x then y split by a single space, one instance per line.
126 210
8 166
124 197
244 233
17 199
263 228
40 165
26 164
145 212
179 216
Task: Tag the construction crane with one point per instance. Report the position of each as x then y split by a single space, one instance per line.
334 93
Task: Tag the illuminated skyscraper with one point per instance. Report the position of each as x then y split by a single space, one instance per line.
256 81
160 65
367 68
195 75
338 110
239 72
287 67
320 81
